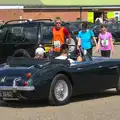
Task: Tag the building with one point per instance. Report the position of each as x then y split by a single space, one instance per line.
67 10
38 12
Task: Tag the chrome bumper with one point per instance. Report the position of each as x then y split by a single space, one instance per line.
17 88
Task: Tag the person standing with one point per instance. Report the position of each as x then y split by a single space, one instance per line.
105 18
85 37
99 20
60 35
105 42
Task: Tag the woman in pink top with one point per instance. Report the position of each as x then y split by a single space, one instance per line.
105 42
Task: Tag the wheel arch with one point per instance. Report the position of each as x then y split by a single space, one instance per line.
66 74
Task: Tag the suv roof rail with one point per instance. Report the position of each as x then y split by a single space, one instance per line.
43 20
25 20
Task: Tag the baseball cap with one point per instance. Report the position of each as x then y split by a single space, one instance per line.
39 51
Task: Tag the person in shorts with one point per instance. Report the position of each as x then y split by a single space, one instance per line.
105 42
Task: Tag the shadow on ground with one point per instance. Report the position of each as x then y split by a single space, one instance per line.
44 103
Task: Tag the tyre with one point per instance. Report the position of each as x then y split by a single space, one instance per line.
118 86
60 90
21 53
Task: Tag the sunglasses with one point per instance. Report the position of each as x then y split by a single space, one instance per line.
58 22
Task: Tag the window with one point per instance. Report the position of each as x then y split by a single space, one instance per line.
47 33
30 33
3 33
14 34
114 26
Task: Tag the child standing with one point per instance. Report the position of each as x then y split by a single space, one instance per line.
105 42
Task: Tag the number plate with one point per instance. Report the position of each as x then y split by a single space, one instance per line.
6 94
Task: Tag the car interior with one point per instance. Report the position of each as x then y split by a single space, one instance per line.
13 61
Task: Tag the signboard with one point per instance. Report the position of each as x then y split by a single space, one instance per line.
110 15
91 17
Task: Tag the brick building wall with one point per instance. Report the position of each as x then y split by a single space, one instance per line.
66 15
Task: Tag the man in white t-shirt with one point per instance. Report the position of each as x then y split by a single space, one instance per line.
64 54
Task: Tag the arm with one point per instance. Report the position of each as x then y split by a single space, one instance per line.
111 42
78 40
78 43
67 35
93 37
52 37
98 44
79 59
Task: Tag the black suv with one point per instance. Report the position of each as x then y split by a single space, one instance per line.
26 36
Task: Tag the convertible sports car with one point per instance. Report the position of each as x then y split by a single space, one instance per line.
57 80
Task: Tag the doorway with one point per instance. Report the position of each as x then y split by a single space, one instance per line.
97 14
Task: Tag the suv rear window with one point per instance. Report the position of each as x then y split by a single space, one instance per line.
47 33
14 34
25 33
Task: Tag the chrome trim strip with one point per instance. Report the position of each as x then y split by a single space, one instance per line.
113 67
20 88
10 98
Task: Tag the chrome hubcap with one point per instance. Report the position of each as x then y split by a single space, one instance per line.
61 90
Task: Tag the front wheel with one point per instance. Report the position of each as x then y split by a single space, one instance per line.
60 90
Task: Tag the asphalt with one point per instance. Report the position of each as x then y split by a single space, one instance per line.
99 106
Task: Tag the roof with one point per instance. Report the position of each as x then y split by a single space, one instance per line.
81 2
60 2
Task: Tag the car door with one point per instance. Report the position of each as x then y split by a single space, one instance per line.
94 76
85 77
107 75
117 32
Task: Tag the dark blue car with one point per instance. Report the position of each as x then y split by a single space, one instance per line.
57 80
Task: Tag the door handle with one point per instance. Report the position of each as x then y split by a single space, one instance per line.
100 66
79 68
